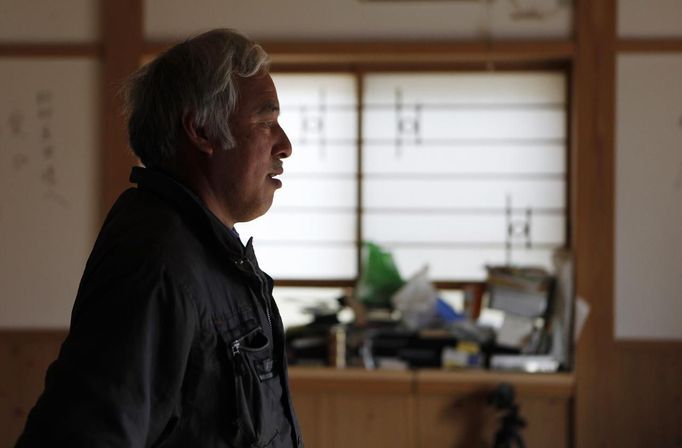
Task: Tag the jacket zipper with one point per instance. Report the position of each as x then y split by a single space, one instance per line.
263 292
236 345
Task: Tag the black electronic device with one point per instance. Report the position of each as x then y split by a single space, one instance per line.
511 423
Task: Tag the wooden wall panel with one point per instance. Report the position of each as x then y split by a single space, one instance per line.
24 357
455 421
467 421
6 396
452 408
645 395
367 420
354 408
308 408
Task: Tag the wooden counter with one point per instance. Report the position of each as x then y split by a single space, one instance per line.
425 408
347 407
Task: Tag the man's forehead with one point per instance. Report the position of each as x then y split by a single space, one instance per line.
258 93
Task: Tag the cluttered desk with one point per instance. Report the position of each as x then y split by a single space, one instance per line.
520 319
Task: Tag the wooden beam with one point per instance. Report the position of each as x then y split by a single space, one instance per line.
37 50
649 45
122 30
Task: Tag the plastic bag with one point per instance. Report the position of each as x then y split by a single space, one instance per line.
379 278
417 301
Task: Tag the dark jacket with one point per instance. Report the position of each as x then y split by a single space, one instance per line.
175 340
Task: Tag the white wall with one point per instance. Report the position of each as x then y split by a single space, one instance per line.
648 271
48 185
360 20
55 21
649 18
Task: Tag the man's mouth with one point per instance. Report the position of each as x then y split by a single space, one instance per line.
274 177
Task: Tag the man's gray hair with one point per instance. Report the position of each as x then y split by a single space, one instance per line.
195 78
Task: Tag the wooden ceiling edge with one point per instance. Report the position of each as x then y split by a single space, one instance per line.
292 52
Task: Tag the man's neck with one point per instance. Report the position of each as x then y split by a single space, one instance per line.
188 171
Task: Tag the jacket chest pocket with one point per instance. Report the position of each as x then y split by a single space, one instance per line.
256 390
252 354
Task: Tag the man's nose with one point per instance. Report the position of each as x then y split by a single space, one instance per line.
283 147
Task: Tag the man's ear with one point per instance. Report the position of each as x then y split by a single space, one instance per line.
197 135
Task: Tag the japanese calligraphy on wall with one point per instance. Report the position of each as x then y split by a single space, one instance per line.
48 185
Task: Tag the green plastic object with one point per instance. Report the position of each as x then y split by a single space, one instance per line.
379 277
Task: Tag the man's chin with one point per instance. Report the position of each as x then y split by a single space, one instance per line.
257 213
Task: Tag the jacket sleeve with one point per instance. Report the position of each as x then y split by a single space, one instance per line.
118 378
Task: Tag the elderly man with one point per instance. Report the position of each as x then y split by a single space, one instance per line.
175 339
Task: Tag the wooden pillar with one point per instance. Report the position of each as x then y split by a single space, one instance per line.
593 230
123 43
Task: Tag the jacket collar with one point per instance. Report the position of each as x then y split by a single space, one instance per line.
191 208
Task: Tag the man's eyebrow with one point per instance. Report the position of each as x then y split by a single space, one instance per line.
268 107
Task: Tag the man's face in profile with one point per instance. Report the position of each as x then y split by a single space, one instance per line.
246 172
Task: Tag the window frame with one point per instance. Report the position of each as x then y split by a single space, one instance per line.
407 63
